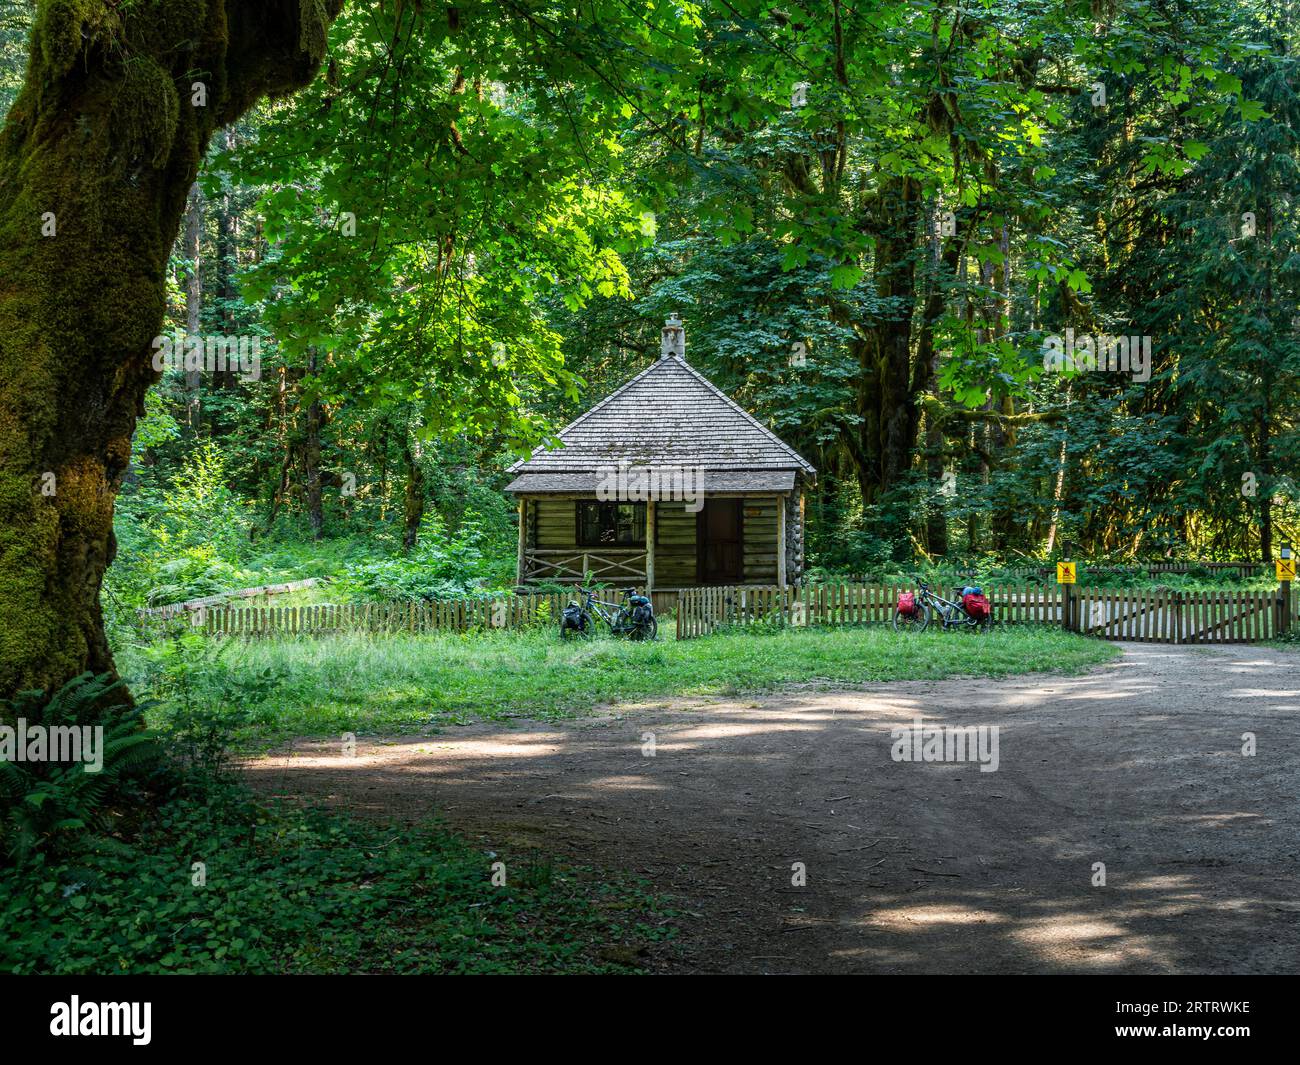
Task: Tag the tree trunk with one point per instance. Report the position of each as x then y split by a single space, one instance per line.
311 456
943 263
226 266
884 401
413 512
1265 464
97 157
191 250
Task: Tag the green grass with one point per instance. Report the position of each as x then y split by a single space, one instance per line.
291 891
352 683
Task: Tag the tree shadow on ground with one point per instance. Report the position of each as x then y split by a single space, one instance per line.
910 866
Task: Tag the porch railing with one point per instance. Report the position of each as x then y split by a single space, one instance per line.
571 567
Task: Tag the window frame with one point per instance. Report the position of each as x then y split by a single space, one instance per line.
638 523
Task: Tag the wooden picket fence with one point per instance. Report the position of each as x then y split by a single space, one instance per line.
1156 616
701 611
462 615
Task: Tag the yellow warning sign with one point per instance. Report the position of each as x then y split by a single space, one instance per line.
1286 569
1065 573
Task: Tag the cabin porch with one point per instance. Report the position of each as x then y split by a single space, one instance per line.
659 544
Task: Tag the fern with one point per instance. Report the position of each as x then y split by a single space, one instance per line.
55 805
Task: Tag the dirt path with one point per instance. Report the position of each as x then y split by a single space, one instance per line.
911 867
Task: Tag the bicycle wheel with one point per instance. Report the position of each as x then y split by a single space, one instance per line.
569 632
913 623
644 630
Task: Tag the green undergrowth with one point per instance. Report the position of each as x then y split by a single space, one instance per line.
220 883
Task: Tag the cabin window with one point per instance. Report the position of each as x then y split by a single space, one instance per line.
611 524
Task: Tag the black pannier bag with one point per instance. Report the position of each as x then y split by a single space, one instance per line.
575 618
642 609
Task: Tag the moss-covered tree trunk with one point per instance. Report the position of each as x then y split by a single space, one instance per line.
97 157
192 245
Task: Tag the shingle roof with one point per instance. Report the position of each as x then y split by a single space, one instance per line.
712 481
669 414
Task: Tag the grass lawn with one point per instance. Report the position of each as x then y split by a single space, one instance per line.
276 688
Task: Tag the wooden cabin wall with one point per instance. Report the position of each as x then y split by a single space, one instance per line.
557 523
552 525
674 546
760 540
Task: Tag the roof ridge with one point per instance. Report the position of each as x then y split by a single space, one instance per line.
803 462
587 414
691 379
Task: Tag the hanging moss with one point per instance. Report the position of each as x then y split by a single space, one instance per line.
64 29
157 25
145 111
313 28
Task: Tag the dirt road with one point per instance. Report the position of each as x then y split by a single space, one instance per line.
910 866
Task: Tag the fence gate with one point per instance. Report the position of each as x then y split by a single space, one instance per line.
1230 617
1177 617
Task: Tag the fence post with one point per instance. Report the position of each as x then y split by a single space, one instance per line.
1284 607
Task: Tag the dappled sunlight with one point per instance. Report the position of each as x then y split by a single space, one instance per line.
525 745
1095 941
1262 693
625 783
1037 926
1112 695
911 868
349 682
1221 820
1165 884
898 920
722 730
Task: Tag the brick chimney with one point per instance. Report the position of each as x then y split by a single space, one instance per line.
674 338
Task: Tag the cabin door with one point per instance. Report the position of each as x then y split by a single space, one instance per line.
720 535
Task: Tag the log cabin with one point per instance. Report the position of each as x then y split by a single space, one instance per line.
667 483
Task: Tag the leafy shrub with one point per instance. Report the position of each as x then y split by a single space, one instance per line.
196 573
204 703
440 566
200 509
184 539
49 804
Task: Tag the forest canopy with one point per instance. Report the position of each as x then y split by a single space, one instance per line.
1009 274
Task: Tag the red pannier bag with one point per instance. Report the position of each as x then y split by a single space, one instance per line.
976 607
907 603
